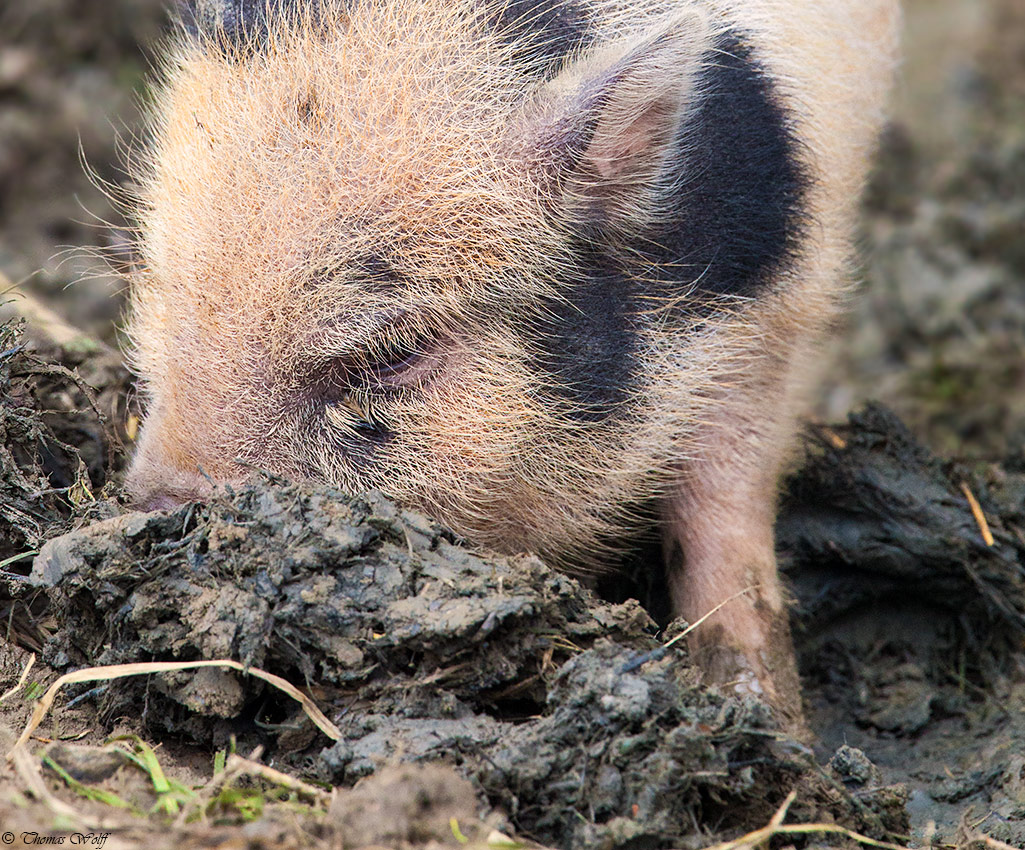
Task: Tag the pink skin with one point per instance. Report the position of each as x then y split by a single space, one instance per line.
719 544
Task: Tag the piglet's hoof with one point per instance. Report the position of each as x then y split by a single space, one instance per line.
732 671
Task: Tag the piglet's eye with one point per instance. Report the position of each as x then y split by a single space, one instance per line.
356 390
399 362
399 353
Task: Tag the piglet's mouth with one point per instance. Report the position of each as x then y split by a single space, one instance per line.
158 502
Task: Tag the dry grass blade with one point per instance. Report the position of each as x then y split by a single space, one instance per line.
711 613
22 680
994 844
761 836
238 765
834 439
662 650
781 812
776 827
121 671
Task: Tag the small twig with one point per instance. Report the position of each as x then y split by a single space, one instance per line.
276 777
207 793
777 827
762 835
834 439
237 766
781 812
994 843
711 613
980 517
656 654
981 820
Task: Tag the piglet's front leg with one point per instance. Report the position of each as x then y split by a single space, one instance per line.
718 541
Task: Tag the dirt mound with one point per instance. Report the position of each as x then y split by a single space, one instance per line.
562 709
572 721
874 516
59 448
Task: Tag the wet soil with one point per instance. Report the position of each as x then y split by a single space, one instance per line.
559 707
476 694
908 620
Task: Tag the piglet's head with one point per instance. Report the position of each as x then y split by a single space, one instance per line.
395 247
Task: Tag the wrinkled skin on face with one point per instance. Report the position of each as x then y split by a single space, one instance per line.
526 267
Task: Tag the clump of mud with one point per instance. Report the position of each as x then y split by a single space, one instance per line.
59 445
60 448
562 709
874 516
909 577
876 532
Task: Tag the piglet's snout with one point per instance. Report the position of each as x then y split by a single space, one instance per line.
155 488
156 482
159 502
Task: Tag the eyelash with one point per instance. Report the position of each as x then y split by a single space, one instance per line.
395 357
354 386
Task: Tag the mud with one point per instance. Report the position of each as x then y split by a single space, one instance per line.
873 516
61 445
573 724
909 622
559 707
477 694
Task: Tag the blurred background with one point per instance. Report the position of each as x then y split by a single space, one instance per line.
936 330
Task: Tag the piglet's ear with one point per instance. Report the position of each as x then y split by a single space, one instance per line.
601 138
